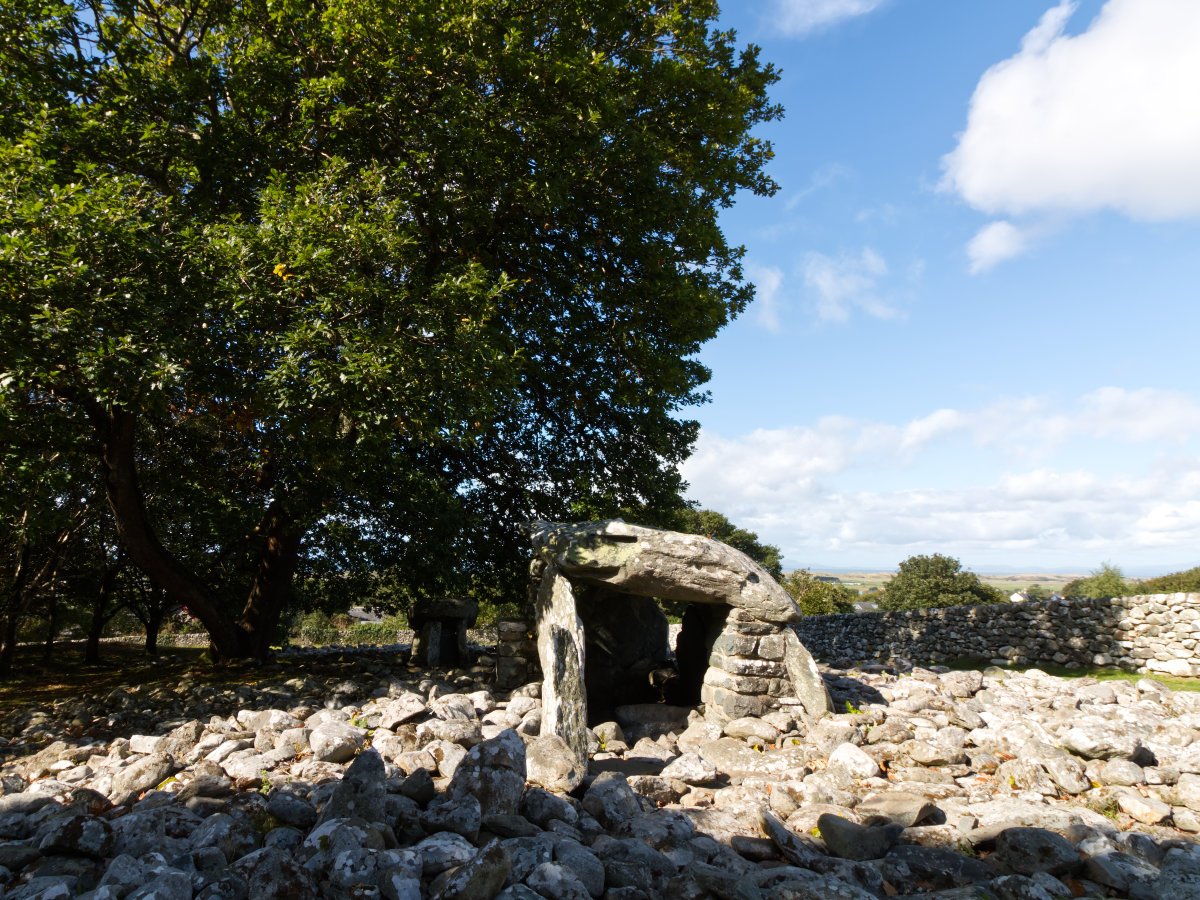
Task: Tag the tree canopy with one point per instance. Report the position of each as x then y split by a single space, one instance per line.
358 286
923 582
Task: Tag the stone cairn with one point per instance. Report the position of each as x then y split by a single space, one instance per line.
601 636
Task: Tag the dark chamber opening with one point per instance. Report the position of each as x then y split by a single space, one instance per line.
628 657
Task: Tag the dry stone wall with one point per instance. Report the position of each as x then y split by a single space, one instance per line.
1155 633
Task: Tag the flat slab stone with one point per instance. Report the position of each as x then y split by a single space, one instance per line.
648 562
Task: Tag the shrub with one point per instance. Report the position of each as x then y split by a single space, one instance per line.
1107 581
818 598
315 628
1176 582
385 632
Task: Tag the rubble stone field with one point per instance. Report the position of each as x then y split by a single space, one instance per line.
358 775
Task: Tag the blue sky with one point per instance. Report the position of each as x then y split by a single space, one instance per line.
977 315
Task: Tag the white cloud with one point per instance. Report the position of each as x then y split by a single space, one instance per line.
801 17
824 177
995 243
921 431
1072 124
768 280
846 283
863 492
1143 415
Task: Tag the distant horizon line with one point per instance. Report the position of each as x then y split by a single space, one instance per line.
1138 571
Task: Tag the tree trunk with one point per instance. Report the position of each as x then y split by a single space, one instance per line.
100 614
91 650
272 586
156 613
51 627
9 649
117 430
15 605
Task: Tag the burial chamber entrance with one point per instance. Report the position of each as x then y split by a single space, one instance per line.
603 639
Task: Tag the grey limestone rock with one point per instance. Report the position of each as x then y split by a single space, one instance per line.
849 840
585 865
400 709
901 807
234 835
751 727
1026 851
140 776
647 562
854 760
542 807
170 884
794 850
361 793
1179 877
552 880
89 836
552 764
291 809
335 742
691 768
443 851
805 678
1124 873
1067 772
939 867
518 892
272 873
480 878
460 815
494 773
611 800
631 863
1101 742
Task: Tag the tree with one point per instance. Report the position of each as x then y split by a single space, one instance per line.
714 525
1037 592
1107 581
923 582
48 502
316 278
816 597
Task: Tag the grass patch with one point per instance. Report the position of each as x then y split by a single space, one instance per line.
1100 673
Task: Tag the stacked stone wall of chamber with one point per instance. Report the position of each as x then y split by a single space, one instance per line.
516 654
746 673
1154 633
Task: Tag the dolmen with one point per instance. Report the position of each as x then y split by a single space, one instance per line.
602 636
440 628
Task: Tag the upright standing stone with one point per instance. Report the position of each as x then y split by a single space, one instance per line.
805 678
561 649
429 648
